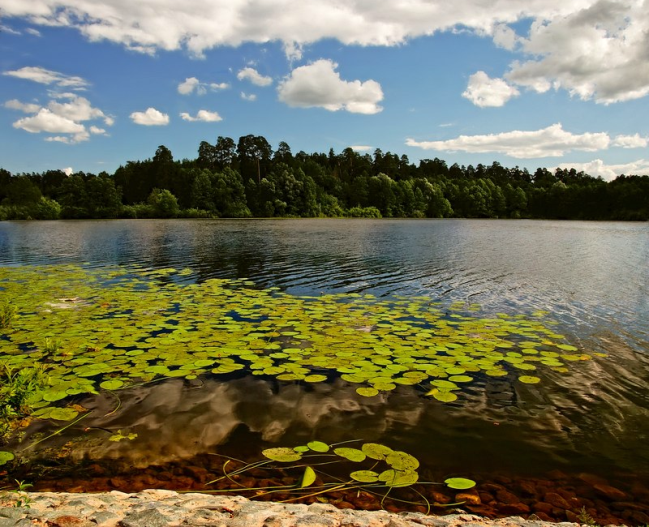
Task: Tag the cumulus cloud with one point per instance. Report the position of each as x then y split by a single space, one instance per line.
484 91
319 85
248 96
630 141
360 148
202 115
597 52
15 104
61 118
151 117
252 75
595 49
193 85
598 168
45 76
67 171
552 141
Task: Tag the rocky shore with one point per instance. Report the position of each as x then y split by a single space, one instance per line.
162 508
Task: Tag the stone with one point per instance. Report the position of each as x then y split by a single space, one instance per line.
145 518
469 497
105 518
527 488
556 500
513 509
543 507
611 493
71 521
504 496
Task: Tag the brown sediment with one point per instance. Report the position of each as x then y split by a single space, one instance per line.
557 497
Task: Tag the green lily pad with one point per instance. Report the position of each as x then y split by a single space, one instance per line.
282 454
352 454
365 476
308 478
459 483
376 451
112 384
5 457
318 446
529 379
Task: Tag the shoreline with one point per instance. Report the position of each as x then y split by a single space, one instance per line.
161 508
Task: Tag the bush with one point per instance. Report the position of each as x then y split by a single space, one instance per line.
364 212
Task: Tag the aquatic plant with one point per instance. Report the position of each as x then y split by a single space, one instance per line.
376 468
17 388
8 312
108 329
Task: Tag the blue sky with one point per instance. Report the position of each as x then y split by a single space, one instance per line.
90 84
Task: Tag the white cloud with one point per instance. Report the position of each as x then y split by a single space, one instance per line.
252 75
248 96
484 91
47 121
9 30
45 76
595 52
319 85
67 171
192 84
61 118
151 117
630 141
33 32
597 168
15 104
202 115
360 148
552 141
594 49
78 109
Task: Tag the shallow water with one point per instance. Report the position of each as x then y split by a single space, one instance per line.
593 278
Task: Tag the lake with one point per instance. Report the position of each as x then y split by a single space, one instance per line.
591 280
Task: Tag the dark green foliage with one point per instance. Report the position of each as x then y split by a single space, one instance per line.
246 178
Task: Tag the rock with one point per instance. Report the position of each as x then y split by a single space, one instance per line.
609 492
469 497
513 509
543 507
556 500
71 521
486 497
492 487
572 517
591 479
439 497
527 488
506 497
544 517
145 518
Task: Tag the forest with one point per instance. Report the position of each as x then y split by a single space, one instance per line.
248 178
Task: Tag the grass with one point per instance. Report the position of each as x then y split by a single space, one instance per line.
16 387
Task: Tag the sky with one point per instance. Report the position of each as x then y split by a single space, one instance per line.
91 84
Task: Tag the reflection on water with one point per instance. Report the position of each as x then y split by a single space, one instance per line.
592 277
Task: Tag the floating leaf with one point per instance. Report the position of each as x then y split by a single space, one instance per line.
402 461
5 457
282 454
308 478
63 414
459 483
318 446
367 391
444 396
529 379
364 476
353 454
376 451
112 384
398 478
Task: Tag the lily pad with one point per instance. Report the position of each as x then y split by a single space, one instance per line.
352 454
459 483
282 454
318 446
5 457
364 476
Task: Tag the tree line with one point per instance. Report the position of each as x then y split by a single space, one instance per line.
249 179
